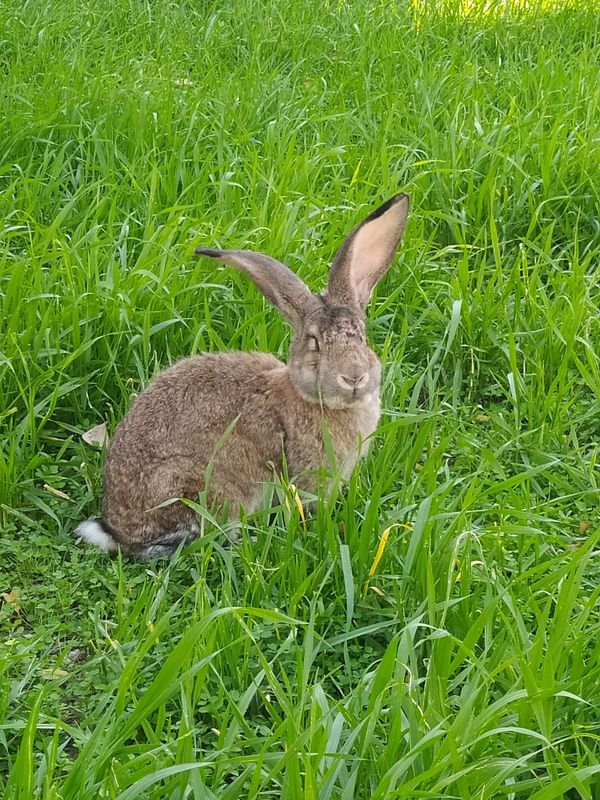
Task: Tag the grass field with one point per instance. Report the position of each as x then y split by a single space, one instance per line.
465 663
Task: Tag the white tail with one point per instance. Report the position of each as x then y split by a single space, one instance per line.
92 531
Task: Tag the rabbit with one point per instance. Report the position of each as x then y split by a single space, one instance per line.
246 414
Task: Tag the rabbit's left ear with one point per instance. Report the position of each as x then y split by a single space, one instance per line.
367 252
277 282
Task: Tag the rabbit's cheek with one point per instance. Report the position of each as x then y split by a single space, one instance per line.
305 381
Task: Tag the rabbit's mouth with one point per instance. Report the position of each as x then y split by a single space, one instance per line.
337 399
351 399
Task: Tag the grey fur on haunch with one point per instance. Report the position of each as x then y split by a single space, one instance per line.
167 545
238 416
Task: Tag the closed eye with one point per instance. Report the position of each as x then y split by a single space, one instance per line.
313 344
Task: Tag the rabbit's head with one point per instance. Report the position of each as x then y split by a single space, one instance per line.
330 361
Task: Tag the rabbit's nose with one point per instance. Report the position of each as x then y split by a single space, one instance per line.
353 381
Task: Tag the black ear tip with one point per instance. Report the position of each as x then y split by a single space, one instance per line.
402 197
201 251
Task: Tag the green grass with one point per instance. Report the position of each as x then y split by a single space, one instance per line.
468 665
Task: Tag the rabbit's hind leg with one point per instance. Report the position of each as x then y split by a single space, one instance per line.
165 546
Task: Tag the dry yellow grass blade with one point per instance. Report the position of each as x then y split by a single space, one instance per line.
292 491
383 540
57 492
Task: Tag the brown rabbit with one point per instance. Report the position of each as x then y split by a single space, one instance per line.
244 413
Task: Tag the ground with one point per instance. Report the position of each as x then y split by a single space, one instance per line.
431 630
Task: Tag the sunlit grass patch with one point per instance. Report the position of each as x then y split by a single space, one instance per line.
490 10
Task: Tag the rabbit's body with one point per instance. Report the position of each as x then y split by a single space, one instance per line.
234 418
148 463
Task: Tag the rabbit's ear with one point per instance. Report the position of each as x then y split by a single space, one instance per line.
367 252
278 283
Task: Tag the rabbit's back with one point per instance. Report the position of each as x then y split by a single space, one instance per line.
213 408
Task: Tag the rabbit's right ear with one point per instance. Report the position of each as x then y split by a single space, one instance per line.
367 252
278 283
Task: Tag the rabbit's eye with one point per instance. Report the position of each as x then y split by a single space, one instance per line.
313 343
